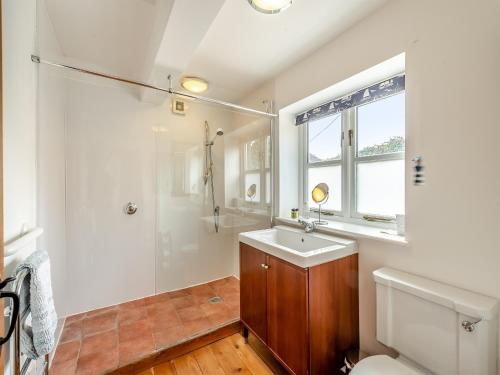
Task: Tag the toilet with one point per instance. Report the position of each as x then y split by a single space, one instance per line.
435 328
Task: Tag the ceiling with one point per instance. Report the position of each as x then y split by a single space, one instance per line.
224 41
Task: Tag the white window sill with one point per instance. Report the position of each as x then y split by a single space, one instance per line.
354 231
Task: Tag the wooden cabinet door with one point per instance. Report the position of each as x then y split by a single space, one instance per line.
288 314
253 290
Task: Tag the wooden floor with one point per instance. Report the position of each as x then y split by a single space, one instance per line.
228 356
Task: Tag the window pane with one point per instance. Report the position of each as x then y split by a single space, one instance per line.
332 176
267 159
324 139
252 155
268 187
381 188
381 126
252 179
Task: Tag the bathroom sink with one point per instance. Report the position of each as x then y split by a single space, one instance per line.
297 247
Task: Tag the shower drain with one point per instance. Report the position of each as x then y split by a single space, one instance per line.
214 300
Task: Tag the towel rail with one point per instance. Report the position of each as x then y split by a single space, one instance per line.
18 368
11 248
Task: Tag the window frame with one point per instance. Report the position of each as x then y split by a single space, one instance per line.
348 162
307 165
262 171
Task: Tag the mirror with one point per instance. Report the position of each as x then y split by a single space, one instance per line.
251 191
320 195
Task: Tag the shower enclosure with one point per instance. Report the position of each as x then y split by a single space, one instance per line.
185 180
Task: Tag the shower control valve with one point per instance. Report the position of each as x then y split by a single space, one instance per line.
130 208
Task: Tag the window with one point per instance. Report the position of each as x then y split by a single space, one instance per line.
359 153
256 183
325 159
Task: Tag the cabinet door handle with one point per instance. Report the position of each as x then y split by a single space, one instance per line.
265 266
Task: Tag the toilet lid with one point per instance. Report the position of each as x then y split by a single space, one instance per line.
382 365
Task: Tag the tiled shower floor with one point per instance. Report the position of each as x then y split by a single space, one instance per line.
101 340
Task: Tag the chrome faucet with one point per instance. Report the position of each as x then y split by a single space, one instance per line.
309 226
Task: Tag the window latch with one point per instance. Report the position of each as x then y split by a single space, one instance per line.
350 134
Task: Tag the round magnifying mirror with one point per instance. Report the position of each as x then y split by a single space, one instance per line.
320 195
251 191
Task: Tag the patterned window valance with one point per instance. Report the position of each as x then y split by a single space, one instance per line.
369 94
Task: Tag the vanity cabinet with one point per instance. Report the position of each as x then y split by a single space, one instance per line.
307 317
253 291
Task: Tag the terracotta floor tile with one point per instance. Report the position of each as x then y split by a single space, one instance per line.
221 317
74 318
164 320
203 289
191 313
64 368
101 311
161 311
197 326
134 330
132 304
217 283
135 349
99 323
183 302
178 293
158 298
131 314
233 281
71 332
199 299
97 363
160 307
168 337
232 299
202 293
67 352
209 308
232 304
99 342
227 289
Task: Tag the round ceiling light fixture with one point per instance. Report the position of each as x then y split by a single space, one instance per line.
270 6
194 84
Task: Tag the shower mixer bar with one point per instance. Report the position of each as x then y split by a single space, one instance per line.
38 60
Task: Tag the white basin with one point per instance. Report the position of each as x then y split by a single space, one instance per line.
297 247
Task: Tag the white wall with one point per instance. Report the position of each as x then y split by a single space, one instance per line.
110 161
51 210
452 79
19 136
19 130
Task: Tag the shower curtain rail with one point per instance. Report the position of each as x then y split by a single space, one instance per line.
38 60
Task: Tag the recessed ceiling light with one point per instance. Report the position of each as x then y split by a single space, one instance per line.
270 6
194 84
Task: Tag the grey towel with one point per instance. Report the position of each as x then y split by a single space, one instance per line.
38 330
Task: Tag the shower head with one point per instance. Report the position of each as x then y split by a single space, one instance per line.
219 133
